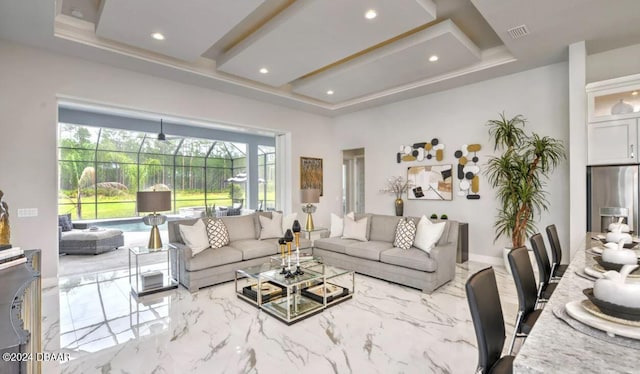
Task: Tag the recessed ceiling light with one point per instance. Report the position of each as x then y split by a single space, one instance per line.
371 14
157 36
330 92
264 71
634 93
433 58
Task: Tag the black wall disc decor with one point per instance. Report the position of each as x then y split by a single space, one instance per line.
421 151
468 171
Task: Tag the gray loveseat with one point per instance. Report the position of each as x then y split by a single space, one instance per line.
378 258
213 266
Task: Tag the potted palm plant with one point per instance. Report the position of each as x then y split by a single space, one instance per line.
519 175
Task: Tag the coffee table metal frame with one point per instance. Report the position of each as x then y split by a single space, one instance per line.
292 306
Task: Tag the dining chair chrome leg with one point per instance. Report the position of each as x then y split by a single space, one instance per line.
515 332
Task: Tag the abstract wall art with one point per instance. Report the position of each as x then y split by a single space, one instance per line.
311 173
432 150
430 182
468 171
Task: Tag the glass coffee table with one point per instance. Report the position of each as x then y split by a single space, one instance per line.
293 299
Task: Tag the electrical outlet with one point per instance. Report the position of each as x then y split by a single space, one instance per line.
27 212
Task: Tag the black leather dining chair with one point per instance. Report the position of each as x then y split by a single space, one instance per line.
525 281
545 287
557 270
488 321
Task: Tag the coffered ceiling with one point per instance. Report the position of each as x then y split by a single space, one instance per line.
325 56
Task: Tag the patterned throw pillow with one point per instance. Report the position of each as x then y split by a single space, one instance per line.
405 233
64 221
217 233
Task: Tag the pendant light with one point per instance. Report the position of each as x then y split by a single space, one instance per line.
161 135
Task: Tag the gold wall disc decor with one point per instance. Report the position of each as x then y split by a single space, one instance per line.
468 171
421 151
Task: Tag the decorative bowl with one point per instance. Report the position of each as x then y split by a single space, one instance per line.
626 245
614 310
612 265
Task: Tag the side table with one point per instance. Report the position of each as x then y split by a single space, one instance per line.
150 278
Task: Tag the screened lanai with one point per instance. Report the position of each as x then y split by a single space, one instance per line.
101 169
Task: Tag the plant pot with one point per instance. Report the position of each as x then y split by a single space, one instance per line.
505 252
399 207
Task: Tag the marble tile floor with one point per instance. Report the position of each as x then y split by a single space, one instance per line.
385 328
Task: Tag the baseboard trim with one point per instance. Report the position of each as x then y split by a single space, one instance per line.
489 260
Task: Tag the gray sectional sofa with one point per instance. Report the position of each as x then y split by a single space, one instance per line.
378 258
213 266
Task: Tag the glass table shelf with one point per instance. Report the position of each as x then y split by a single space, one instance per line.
291 299
150 270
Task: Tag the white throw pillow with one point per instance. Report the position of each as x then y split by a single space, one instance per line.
428 234
217 233
337 226
287 222
271 227
405 234
355 229
195 237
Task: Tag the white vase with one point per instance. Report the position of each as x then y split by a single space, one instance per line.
621 107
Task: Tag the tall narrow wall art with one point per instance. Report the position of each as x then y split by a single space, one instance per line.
468 171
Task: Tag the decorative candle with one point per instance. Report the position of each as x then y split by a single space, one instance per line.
281 241
288 237
296 231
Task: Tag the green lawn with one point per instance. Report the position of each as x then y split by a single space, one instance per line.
125 205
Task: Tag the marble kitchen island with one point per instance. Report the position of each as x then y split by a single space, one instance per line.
555 347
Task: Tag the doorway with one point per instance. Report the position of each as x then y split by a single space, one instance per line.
353 180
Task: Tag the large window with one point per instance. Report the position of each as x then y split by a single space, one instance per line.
101 170
267 177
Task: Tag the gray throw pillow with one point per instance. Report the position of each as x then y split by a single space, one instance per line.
64 221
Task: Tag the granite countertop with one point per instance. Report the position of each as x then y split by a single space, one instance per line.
555 347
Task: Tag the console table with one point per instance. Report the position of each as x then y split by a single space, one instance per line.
21 314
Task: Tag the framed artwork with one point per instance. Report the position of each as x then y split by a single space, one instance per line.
430 182
311 173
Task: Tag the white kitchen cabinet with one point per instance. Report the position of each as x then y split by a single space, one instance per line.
613 112
614 99
613 142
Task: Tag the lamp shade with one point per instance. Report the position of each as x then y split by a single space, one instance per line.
310 196
153 201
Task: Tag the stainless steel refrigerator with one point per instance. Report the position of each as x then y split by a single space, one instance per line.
612 192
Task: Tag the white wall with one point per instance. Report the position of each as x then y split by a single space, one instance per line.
613 64
31 80
577 148
457 117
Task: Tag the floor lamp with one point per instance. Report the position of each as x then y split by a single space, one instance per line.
309 197
154 201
